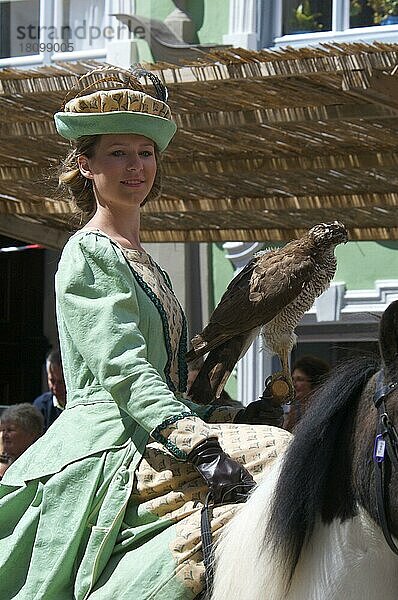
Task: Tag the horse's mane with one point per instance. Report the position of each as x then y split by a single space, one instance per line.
303 487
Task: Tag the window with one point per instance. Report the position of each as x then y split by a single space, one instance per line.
362 14
19 27
321 16
81 23
373 12
306 16
40 29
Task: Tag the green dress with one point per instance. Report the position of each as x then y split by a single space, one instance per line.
104 505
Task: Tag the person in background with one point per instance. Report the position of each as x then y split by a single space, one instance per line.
52 403
307 373
20 426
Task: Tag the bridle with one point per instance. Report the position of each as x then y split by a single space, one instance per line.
385 454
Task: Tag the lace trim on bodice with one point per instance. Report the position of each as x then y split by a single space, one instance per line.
156 285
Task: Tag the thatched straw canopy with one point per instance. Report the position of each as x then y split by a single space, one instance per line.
269 143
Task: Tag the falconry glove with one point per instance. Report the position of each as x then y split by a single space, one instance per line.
228 480
266 411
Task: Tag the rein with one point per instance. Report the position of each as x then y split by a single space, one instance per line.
207 543
385 454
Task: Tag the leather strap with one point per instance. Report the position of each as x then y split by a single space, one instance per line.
207 543
385 456
381 493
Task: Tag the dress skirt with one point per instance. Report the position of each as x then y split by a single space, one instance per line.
104 528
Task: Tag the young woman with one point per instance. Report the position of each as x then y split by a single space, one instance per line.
107 504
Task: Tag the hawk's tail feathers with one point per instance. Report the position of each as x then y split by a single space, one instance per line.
200 391
198 342
199 348
221 383
190 356
227 356
202 346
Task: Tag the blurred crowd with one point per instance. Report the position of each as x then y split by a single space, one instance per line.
22 424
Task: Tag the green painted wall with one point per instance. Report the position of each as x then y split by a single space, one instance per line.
221 271
212 20
359 264
158 9
210 16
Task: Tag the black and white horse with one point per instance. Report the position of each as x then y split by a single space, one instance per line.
312 529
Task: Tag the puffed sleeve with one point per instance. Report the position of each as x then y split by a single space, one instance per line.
97 305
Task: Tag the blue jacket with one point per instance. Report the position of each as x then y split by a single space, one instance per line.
50 412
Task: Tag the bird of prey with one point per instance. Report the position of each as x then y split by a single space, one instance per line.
271 295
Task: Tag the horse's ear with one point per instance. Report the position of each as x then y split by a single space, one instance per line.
388 338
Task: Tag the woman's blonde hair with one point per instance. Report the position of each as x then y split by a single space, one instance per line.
79 190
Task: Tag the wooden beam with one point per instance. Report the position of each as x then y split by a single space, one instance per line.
32 232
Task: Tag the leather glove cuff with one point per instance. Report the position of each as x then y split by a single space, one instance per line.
227 479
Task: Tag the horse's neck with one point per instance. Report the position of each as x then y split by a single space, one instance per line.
345 560
348 560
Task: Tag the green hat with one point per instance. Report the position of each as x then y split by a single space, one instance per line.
125 109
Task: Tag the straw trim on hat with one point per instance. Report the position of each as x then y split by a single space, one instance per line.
121 110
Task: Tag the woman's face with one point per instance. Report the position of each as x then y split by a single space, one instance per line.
122 169
302 383
15 438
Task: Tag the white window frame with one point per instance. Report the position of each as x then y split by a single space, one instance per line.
48 10
340 32
28 59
